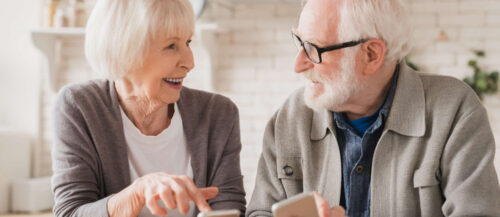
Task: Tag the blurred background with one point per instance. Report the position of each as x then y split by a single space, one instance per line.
243 49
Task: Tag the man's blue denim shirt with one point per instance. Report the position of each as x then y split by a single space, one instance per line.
357 153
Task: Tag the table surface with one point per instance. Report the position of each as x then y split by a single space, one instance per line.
45 214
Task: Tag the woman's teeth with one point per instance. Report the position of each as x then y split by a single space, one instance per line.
173 80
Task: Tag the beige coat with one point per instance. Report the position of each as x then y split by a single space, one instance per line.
434 158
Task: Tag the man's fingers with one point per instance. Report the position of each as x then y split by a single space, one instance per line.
210 192
324 209
337 211
321 205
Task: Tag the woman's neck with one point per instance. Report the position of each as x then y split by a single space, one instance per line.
149 116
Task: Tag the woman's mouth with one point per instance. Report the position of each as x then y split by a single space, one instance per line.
175 83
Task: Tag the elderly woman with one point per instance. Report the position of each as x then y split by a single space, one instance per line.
139 143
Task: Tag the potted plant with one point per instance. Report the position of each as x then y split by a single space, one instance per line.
482 82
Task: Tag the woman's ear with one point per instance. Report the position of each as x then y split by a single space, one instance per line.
374 55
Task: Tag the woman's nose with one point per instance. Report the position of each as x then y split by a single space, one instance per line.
187 60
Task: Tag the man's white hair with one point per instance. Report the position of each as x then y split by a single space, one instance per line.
382 19
362 19
119 32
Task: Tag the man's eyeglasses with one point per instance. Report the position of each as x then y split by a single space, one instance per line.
313 52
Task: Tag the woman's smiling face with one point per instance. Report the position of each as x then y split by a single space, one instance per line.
165 65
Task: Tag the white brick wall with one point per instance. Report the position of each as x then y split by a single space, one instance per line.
256 56
256 68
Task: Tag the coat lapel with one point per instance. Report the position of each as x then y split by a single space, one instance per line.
407 117
323 135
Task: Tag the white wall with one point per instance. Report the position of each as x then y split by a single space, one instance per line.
255 68
19 69
19 66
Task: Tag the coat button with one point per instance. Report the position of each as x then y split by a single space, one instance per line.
287 170
359 169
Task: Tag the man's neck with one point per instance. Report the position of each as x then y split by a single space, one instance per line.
366 102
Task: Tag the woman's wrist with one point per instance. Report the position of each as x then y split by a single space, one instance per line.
127 202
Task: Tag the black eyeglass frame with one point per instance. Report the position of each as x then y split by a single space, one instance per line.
321 50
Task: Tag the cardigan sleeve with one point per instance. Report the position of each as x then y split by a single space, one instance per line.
227 176
75 163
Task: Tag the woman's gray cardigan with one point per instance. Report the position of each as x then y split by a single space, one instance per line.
90 153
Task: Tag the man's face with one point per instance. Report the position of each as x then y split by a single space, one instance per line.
333 81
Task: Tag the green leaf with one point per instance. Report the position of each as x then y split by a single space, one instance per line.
494 76
472 63
482 82
479 53
482 85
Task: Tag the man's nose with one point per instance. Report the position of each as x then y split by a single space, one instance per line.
302 63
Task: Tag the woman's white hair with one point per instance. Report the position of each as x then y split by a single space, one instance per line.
382 19
118 32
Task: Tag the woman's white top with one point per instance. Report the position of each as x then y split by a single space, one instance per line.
165 152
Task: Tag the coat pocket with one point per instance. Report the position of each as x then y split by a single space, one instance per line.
425 176
290 174
426 181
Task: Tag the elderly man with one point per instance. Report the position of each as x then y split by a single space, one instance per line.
370 134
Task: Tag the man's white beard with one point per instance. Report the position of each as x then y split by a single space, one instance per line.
336 92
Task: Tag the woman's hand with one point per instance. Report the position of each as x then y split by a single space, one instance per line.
324 209
174 191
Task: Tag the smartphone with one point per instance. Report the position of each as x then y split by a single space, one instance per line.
221 213
301 205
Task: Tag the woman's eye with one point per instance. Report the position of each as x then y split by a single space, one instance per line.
169 47
188 43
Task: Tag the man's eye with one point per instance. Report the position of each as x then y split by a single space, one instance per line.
171 46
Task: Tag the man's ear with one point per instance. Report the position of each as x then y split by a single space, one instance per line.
373 55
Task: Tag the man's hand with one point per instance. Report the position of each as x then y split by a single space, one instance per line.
324 209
